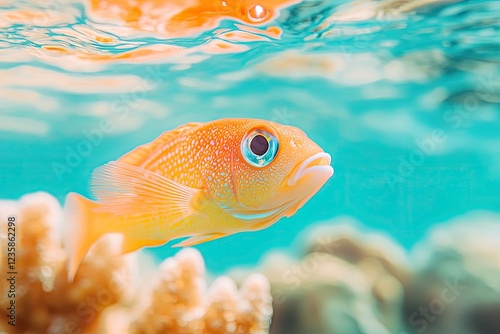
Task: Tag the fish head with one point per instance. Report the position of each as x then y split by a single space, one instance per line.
275 170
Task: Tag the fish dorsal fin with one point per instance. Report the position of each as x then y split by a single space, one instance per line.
121 188
142 153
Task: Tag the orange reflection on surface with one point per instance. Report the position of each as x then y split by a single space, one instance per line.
91 60
74 45
19 79
272 32
181 18
242 36
219 46
297 64
150 52
55 49
102 39
39 18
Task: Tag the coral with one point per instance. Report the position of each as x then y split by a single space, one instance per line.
45 301
179 302
351 281
456 284
345 282
104 297
378 258
332 297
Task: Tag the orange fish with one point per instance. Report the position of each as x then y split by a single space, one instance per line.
202 180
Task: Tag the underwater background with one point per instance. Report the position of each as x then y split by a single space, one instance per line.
404 95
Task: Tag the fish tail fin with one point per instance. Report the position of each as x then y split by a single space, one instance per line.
82 229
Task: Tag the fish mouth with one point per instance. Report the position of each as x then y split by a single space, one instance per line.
304 181
318 164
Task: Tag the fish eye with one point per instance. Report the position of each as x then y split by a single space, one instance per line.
259 145
259 148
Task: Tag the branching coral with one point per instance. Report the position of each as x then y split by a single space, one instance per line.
179 303
45 301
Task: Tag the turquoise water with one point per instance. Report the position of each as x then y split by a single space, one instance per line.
406 102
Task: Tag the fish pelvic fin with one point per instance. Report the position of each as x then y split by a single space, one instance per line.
84 227
199 239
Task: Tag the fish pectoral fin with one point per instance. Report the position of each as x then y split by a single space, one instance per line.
199 239
121 188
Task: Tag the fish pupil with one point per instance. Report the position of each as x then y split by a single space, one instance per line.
259 145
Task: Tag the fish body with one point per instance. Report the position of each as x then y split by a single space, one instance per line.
203 180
